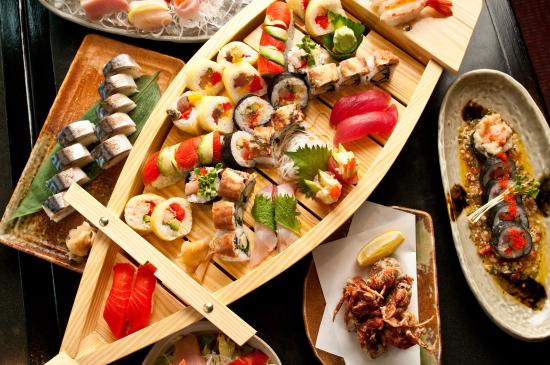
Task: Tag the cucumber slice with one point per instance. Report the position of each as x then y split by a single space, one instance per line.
273 54
167 162
276 32
206 149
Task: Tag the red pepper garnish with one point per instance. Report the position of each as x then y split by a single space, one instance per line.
203 171
215 78
256 84
152 206
503 180
216 148
178 211
322 20
186 114
254 358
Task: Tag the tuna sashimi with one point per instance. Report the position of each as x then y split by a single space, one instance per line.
265 238
188 352
358 126
187 8
140 302
278 14
254 358
268 68
285 217
97 8
268 40
368 101
117 301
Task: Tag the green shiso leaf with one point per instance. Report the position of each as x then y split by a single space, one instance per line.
338 21
263 211
308 160
146 99
285 212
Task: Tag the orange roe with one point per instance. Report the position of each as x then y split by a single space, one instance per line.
517 240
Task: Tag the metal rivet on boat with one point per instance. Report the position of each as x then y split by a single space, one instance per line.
208 307
103 221
407 27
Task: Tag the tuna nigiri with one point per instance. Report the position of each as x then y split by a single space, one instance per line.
361 103
358 126
278 14
116 306
265 238
395 12
188 352
288 226
97 8
140 302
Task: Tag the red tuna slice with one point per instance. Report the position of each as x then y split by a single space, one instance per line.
368 101
268 40
278 14
254 358
97 8
117 301
151 170
140 302
268 68
358 126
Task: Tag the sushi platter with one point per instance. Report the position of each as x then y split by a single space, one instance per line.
266 142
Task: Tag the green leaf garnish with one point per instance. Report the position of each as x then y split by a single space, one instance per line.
526 186
263 211
338 21
308 45
285 212
146 99
308 160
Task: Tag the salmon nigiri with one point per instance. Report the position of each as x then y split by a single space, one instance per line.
117 301
265 237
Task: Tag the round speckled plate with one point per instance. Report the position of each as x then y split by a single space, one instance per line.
501 93
428 302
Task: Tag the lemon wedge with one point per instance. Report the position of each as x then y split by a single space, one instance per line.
380 247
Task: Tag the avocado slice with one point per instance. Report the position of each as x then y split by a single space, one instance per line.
276 32
166 161
273 54
206 149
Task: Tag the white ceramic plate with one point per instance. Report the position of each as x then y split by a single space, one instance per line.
204 326
501 93
180 31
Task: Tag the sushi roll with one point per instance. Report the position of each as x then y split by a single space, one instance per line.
64 179
138 211
184 113
323 78
261 148
117 123
209 149
298 7
353 70
112 151
236 185
119 83
152 177
206 76
122 63
75 155
236 150
287 89
316 16
380 65
172 219
234 52
226 215
287 117
203 184
241 79
57 208
231 245
81 132
118 103
252 111
215 113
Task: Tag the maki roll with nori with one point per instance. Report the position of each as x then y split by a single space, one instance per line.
203 184
287 89
236 185
231 245
252 111
226 215
236 150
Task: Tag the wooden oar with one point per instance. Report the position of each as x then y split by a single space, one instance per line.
174 278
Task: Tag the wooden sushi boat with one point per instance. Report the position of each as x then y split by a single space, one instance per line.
423 52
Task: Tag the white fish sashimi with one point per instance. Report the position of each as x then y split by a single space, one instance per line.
285 237
265 239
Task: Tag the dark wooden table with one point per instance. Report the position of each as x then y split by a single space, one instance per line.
36 49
